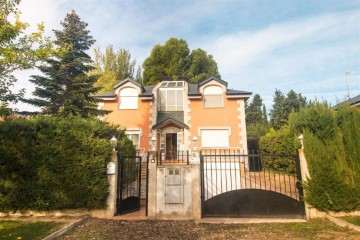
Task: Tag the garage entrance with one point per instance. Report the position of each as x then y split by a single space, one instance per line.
235 184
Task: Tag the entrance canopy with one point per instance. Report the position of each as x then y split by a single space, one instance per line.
167 118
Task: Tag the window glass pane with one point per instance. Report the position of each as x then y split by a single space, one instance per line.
211 90
134 137
171 98
128 92
179 100
171 84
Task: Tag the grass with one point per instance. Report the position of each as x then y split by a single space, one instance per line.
21 230
354 220
313 229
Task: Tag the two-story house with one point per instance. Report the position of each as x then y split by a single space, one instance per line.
176 112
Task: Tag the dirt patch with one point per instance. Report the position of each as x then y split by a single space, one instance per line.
115 229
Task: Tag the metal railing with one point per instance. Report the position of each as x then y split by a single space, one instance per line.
227 170
180 156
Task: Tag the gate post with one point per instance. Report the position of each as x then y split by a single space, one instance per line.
304 176
152 183
195 184
112 178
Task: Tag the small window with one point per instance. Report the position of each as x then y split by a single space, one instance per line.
213 97
215 138
128 98
134 136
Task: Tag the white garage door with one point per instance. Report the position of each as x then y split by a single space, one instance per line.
215 138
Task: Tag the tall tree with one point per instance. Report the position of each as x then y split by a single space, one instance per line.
175 59
277 114
17 51
201 66
66 87
253 111
265 117
256 121
284 105
112 67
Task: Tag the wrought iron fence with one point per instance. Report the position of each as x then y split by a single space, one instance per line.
227 170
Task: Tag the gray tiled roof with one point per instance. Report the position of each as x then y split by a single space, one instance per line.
175 117
212 78
354 100
237 92
128 80
104 95
147 91
193 89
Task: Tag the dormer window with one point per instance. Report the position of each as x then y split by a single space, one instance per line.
171 96
128 98
213 97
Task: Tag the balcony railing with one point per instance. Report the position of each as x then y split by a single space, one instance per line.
181 157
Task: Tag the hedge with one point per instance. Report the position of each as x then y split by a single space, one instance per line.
332 145
51 163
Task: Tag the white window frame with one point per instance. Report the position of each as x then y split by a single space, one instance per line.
134 132
213 91
178 106
224 146
128 98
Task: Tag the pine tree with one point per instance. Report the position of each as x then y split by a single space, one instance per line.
277 114
265 118
253 110
66 87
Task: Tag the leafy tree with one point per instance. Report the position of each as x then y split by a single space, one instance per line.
175 59
201 66
278 142
66 87
112 67
17 51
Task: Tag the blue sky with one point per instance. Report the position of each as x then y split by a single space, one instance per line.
259 45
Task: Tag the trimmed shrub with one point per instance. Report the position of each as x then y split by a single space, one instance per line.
278 142
51 163
331 143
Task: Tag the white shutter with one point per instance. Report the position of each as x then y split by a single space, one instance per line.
215 138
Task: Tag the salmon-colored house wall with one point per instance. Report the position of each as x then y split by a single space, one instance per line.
175 126
131 118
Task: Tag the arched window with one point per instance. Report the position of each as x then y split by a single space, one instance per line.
128 98
213 97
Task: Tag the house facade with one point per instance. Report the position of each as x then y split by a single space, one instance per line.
169 116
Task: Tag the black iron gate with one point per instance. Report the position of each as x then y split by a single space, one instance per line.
129 184
234 184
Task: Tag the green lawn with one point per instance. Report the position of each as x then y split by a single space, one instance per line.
16 230
354 220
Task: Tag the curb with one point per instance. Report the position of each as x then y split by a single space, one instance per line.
67 228
248 220
342 223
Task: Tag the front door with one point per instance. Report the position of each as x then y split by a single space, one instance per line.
171 146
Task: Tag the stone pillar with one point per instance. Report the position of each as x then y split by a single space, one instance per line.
111 201
195 185
152 189
304 176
